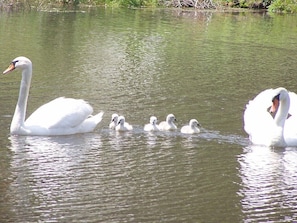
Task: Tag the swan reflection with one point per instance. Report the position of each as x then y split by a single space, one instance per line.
45 168
269 182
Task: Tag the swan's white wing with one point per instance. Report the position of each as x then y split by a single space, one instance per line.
291 122
162 125
128 126
150 127
123 128
293 104
290 129
61 113
257 120
112 125
186 129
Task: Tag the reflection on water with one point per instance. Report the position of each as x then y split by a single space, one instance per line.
269 184
133 176
203 65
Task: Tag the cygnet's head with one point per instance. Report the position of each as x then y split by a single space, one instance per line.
170 118
153 120
121 120
194 123
114 118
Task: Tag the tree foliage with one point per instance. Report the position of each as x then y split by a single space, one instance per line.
286 6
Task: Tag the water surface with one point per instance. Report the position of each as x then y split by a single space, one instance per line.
138 63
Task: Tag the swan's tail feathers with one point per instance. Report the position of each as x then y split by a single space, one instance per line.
90 123
98 118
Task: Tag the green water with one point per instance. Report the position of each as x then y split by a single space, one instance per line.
203 65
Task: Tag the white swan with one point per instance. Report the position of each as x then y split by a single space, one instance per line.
168 124
114 121
123 126
270 118
192 128
152 126
61 116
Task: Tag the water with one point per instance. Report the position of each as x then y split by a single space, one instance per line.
203 65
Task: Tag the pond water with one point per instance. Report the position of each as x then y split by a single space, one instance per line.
138 63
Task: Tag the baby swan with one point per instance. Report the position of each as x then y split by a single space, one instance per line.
123 126
114 121
192 128
152 126
168 124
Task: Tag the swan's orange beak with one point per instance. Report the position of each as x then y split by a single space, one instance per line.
275 104
9 69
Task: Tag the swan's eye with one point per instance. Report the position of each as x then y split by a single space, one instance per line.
14 62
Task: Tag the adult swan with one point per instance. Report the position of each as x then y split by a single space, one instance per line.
271 118
61 116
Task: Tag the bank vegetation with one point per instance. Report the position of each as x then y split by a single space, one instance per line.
281 6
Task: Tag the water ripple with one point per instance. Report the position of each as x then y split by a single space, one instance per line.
268 183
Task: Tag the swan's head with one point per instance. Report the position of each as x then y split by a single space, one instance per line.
114 118
194 123
18 63
121 120
170 118
280 94
153 120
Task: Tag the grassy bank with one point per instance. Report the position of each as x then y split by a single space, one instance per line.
284 6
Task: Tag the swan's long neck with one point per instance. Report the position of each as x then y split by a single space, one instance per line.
282 112
19 116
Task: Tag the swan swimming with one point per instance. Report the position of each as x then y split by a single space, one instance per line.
168 124
192 128
123 126
152 126
61 116
114 121
270 119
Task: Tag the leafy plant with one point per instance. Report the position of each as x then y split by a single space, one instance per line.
286 6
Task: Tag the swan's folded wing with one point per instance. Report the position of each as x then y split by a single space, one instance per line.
290 129
61 113
128 126
256 117
293 104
